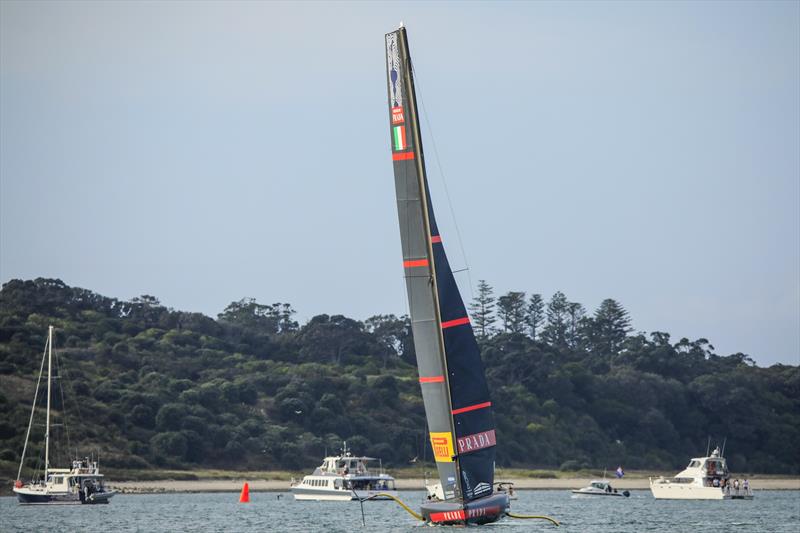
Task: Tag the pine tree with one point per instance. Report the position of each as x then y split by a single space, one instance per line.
535 314
576 313
482 310
610 327
511 308
555 331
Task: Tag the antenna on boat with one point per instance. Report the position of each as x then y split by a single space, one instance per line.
708 446
724 441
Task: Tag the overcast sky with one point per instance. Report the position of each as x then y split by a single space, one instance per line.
205 152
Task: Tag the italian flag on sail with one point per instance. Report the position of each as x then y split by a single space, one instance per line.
399 137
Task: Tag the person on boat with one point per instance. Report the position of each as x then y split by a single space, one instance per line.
715 483
746 486
736 485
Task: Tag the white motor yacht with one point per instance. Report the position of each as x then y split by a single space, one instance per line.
706 478
344 478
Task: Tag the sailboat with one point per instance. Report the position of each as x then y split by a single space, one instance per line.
80 484
451 375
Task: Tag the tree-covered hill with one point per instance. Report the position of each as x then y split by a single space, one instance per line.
147 386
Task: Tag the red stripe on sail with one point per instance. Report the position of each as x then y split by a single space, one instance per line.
431 379
456 322
436 238
415 263
472 408
400 156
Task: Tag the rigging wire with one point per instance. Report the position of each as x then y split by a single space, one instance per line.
63 404
444 181
33 410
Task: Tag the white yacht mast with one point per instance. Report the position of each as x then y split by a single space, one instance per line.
49 381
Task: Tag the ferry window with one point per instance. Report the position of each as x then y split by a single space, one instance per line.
58 480
694 464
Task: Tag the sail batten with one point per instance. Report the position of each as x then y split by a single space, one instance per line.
452 379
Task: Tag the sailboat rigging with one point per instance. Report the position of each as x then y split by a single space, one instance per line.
454 389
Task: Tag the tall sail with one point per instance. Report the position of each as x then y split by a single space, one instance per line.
451 374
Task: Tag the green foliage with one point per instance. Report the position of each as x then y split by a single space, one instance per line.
149 386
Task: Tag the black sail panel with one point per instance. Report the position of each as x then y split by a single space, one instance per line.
471 405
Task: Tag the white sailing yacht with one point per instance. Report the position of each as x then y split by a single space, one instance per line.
82 483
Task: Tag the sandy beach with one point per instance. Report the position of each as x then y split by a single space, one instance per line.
261 485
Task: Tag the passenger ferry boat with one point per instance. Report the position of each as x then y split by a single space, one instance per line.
706 478
344 478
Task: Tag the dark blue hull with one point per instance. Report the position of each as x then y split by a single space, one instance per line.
481 511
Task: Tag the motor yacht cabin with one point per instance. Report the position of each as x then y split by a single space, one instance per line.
342 478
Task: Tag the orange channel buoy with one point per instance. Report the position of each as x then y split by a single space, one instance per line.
244 497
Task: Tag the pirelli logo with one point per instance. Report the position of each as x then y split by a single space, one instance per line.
442 444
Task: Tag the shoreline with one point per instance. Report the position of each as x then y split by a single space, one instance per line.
270 485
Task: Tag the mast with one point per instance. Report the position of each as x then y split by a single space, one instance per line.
49 382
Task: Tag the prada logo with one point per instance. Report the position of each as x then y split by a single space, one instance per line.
478 441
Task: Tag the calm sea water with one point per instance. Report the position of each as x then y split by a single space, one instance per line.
770 511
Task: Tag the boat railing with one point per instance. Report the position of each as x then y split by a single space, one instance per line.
740 491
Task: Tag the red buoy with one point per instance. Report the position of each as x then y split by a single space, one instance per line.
244 497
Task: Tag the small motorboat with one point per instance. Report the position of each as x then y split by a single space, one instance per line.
600 487
508 488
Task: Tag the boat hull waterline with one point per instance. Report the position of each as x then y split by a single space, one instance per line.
30 497
601 494
481 511
340 495
680 491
